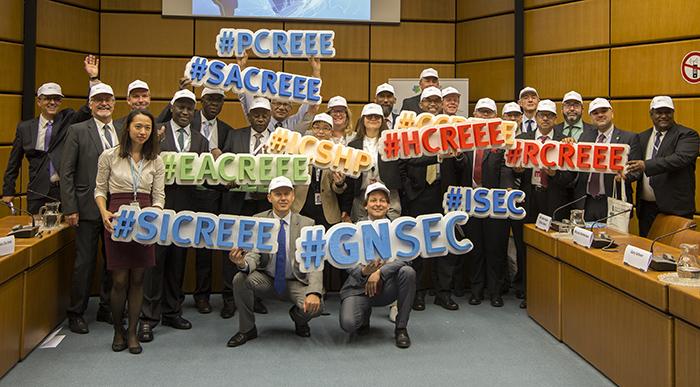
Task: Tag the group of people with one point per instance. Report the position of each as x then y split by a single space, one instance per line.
95 162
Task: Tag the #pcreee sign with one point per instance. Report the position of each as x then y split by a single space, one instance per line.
275 43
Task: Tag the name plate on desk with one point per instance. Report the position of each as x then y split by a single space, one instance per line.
544 222
636 257
583 237
7 245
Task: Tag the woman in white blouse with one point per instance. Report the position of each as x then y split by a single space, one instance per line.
130 173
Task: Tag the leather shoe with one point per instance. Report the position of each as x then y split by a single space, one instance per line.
363 330
229 309
523 304
301 329
119 340
475 300
519 294
105 316
419 301
401 338
497 301
203 306
241 338
145 332
136 350
259 307
78 325
446 302
177 322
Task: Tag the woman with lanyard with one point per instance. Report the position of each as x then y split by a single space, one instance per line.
130 174
369 131
342 120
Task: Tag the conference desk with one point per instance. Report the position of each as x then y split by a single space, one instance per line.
623 321
34 289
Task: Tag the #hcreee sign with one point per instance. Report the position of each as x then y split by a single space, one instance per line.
195 229
427 135
189 168
275 85
275 43
577 157
346 245
493 203
323 154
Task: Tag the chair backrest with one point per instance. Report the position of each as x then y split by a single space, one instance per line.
685 236
664 224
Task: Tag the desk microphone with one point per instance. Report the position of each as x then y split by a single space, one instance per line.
556 224
20 231
604 241
665 262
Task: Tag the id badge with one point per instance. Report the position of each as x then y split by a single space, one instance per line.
317 198
135 204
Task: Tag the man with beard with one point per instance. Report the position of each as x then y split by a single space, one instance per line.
428 78
528 100
572 109
385 97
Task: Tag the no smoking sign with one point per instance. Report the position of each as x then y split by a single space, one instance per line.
690 67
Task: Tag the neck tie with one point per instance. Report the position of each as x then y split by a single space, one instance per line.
478 160
544 179
570 131
278 124
281 260
529 126
657 142
258 140
594 179
47 144
431 174
108 136
206 129
181 139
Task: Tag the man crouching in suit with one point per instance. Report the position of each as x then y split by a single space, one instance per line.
378 283
276 276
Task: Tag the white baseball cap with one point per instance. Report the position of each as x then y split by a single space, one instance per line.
385 87
526 90
324 118
378 186
210 90
487 103
101 88
137 84
429 72
512 107
429 92
597 104
661 101
260 103
572 96
546 105
49 88
450 90
185 93
337 101
372 108
278 182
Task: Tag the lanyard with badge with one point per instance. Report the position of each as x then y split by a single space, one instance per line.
317 195
135 179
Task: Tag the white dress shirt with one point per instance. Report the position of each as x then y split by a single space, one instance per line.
41 134
270 269
647 191
188 136
537 172
263 139
112 132
608 135
210 126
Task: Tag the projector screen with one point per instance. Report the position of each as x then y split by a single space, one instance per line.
378 11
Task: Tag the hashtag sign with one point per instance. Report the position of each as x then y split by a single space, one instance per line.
453 199
392 144
278 141
225 41
198 68
124 224
405 120
313 248
513 155
170 166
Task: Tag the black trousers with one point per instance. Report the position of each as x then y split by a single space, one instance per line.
33 205
596 208
487 259
207 200
646 211
87 235
162 290
516 227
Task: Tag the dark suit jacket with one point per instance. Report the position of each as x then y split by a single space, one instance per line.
237 141
179 197
618 137
672 172
81 151
412 104
222 129
388 173
559 129
25 144
494 173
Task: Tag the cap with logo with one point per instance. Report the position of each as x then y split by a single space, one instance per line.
261 103
49 88
279 182
137 84
661 101
512 107
597 104
185 93
450 90
210 90
372 108
547 105
323 117
486 103
572 96
378 186
101 88
429 92
337 101
385 87
528 90
429 72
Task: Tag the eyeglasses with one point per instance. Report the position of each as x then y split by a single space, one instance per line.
373 117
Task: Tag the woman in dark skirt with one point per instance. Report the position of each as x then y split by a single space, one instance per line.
130 173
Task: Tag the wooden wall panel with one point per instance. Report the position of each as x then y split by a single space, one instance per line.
544 3
413 42
578 25
65 26
650 69
12 20
64 68
10 116
381 72
555 74
471 9
351 40
486 38
633 115
493 79
157 35
11 67
122 109
131 5
162 74
233 114
349 79
92 4
427 10
205 32
653 20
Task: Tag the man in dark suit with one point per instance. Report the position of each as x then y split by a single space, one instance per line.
385 97
597 186
483 168
513 112
83 145
667 183
138 96
277 275
428 78
572 110
528 100
163 295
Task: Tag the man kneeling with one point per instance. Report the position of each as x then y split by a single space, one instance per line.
276 275
378 283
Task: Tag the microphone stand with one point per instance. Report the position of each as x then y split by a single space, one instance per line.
604 241
20 231
556 225
665 262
